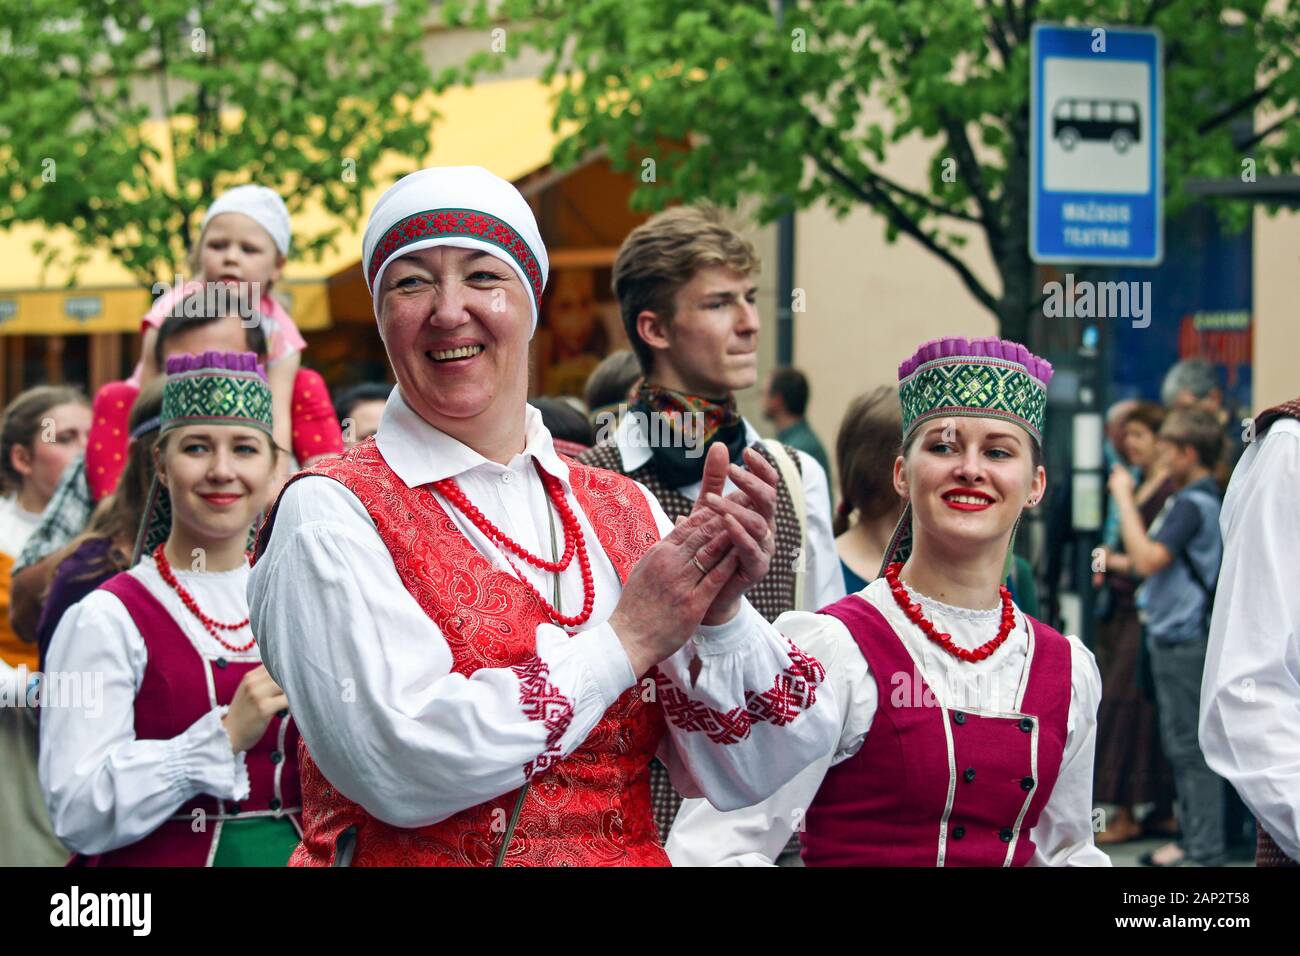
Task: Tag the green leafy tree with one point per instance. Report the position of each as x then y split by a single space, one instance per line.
303 96
731 100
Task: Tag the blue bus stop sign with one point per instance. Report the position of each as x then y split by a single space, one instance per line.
1096 144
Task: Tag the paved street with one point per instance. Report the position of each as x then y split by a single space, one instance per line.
1126 854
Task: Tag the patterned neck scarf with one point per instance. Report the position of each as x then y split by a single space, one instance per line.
681 428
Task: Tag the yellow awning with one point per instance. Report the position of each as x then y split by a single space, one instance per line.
504 126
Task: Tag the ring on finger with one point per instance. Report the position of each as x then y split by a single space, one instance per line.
696 561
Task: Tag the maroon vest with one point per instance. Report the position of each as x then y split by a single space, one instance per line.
180 685
932 786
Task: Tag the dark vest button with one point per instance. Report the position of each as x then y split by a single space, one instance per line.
234 807
1026 724
969 775
959 718
1026 784
1005 835
275 803
222 662
958 832
276 756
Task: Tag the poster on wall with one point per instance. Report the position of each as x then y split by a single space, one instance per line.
1201 306
579 326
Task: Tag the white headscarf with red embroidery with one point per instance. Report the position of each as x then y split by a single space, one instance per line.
462 206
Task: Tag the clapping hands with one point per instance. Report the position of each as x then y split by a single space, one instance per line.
749 515
701 570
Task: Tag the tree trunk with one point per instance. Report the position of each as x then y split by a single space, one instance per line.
1016 308
1019 300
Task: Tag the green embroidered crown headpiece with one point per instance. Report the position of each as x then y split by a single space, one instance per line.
973 378
217 388
984 378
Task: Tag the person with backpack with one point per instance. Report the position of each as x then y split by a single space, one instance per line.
1179 561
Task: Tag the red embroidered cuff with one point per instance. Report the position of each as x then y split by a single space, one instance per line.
541 700
793 691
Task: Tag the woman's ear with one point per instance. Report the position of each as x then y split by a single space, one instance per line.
1038 487
158 468
900 477
20 459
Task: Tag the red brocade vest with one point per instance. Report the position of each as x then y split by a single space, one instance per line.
935 786
591 808
179 686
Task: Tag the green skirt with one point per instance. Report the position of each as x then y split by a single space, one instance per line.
262 841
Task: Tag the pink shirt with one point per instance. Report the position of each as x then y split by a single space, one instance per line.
282 336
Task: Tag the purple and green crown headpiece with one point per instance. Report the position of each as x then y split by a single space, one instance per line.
216 388
982 378
972 378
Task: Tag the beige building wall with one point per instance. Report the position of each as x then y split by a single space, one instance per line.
1276 316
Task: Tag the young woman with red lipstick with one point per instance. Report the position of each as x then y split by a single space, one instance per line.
185 756
968 728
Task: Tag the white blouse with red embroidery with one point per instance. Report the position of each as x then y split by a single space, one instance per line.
756 835
1250 691
104 788
369 677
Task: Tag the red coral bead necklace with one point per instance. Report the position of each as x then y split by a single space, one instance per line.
213 626
916 615
573 544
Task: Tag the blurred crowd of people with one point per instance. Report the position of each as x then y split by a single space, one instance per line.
82 484
1157 572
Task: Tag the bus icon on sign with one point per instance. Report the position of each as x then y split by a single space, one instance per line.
1078 118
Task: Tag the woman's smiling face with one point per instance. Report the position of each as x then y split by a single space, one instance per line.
456 324
968 479
217 477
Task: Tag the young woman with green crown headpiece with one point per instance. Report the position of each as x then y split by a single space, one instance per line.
968 727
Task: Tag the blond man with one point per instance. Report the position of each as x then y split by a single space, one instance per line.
687 291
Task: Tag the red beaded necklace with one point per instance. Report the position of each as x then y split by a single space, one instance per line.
573 544
917 616
169 578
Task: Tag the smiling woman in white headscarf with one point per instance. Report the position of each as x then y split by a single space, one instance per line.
484 643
